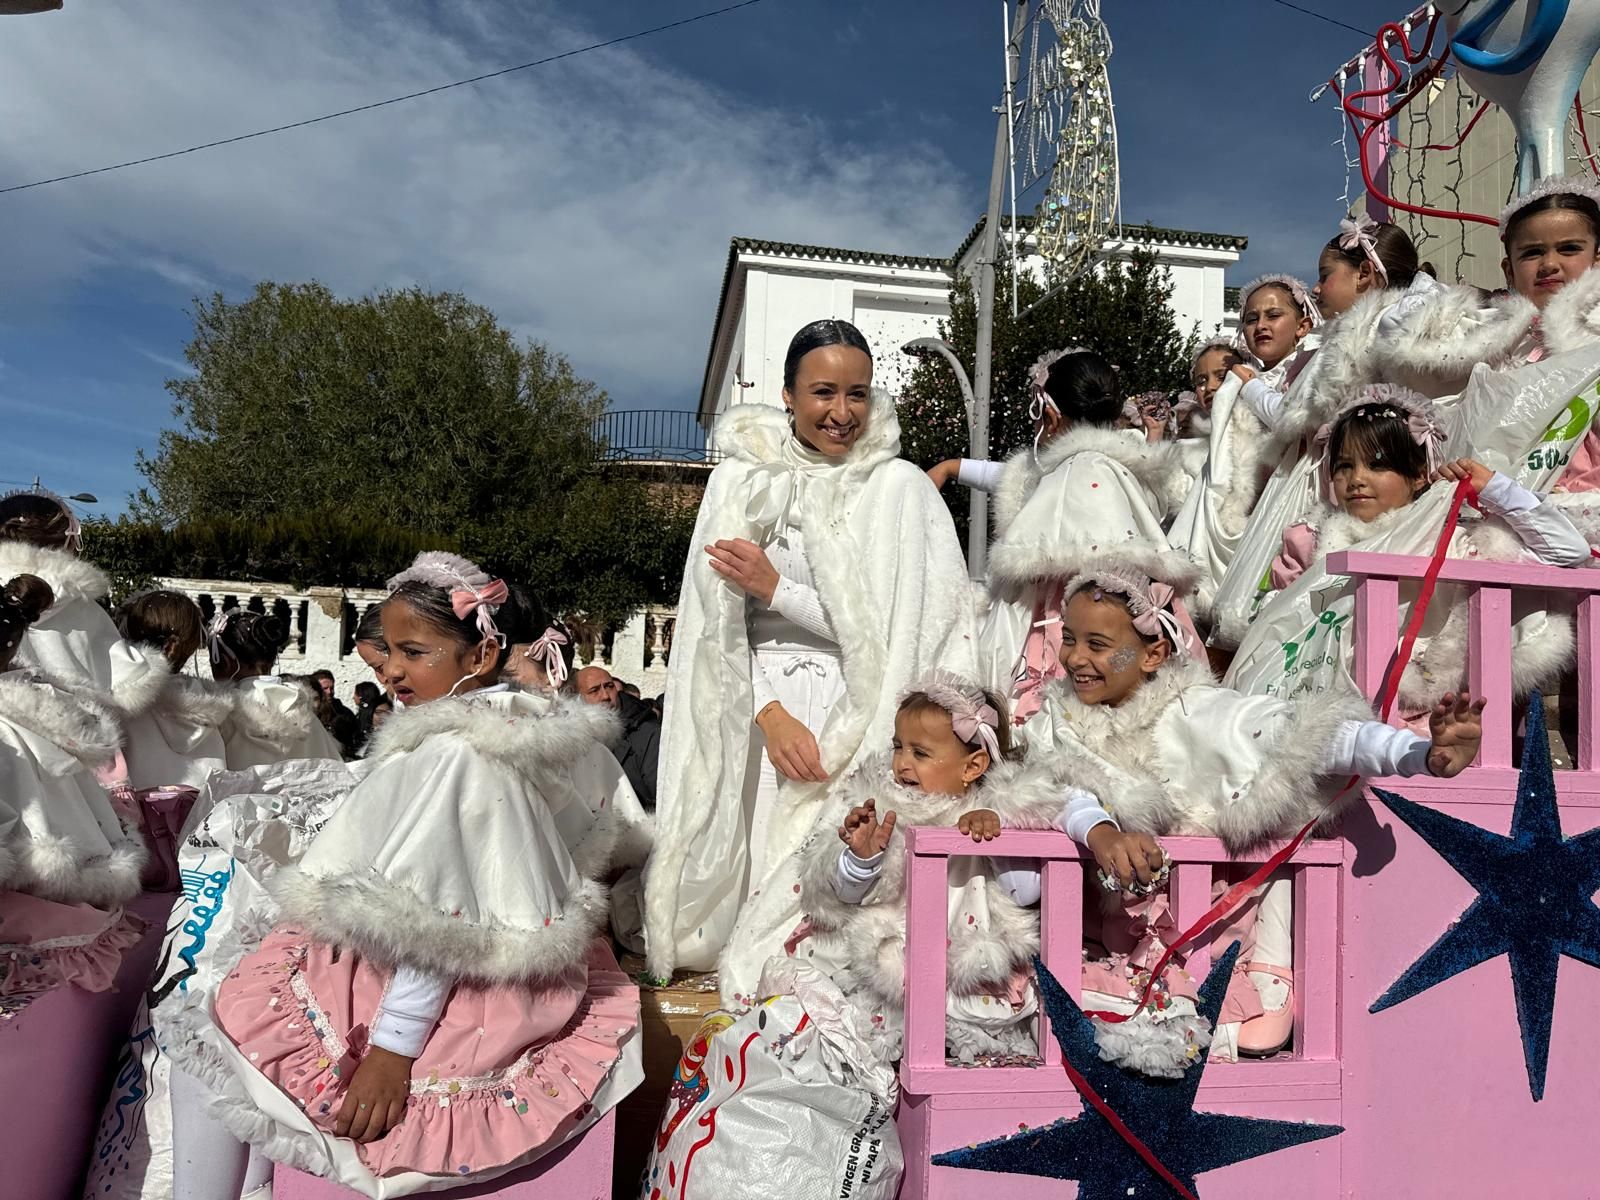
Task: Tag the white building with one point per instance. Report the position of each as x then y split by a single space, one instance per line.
771 289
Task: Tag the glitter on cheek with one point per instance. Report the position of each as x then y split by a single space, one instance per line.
1122 659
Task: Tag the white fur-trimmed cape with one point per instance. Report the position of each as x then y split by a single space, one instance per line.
1183 756
889 572
447 857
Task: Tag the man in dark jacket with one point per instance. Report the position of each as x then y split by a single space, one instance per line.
641 730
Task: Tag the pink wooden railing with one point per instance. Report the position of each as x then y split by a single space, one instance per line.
1491 586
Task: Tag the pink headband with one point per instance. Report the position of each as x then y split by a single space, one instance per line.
484 600
1298 292
1395 402
972 717
1150 604
547 652
1358 233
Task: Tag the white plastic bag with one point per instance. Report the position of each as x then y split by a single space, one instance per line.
792 1099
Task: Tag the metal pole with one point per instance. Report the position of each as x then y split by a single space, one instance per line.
988 248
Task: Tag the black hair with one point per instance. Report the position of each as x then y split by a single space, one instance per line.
37 519
815 336
1570 201
156 617
520 619
23 601
1394 249
1085 389
1378 439
367 692
322 674
252 639
370 628
918 702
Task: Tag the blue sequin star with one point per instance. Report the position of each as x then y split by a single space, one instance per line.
1535 898
1160 1112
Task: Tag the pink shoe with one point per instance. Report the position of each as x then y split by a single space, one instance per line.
1270 1032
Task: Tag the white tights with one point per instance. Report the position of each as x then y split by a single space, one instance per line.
208 1162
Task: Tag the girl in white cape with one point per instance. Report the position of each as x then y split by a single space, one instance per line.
177 741
434 1001
1146 730
1084 486
948 769
74 644
1278 324
824 577
272 719
68 863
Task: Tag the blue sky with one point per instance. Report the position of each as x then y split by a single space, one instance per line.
589 203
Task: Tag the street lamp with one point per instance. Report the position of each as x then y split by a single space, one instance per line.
977 447
79 497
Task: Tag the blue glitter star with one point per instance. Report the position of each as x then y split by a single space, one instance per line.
1535 898
1160 1112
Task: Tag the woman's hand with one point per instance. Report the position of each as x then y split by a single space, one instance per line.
1456 724
943 473
745 565
866 836
1467 468
1125 856
981 824
790 745
376 1099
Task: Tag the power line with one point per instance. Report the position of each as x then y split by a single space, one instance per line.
347 112
1311 12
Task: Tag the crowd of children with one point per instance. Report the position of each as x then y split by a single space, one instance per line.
416 981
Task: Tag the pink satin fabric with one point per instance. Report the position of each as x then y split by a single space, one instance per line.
1299 552
45 945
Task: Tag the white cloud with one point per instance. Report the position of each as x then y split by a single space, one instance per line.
589 202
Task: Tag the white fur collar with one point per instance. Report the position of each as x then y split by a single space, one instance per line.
69 577
1338 530
756 433
527 732
1102 726
77 725
1572 318
1436 348
195 700
1156 465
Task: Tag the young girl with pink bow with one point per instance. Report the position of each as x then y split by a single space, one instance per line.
433 1001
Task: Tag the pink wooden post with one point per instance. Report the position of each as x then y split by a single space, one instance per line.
1374 75
1489 669
1377 631
1588 683
926 937
1191 884
1316 961
1061 937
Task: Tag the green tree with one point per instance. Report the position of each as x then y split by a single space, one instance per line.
1120 311
323 439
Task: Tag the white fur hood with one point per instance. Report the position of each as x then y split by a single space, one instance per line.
1158 466
69 577
77 725
526 732
757 433
1572 318
1437 346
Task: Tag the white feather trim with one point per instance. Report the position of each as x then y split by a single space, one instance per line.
1572 318
78 725
1435 349
1165 1045
1158 466
757 432
69 577
53 869
384 922
529 745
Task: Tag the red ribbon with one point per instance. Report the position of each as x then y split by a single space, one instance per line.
1236 895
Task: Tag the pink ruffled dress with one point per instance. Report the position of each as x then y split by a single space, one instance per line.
445 859
45 945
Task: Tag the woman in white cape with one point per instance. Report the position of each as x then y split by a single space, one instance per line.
824 577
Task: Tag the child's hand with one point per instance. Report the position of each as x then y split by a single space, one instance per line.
981 825
866 836
377 1097
1127 857
1246 374
1467 468
943 473
1456 724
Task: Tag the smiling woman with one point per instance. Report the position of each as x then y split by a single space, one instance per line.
845 583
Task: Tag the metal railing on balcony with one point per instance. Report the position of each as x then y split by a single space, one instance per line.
652 435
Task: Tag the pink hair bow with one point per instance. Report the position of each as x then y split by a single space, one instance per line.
484 600
547 652
1158 621
978 724
214 632
1357 233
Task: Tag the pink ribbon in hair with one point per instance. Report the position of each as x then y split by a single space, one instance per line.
979 724
484 600
1040 661
547 652
214 632
1357 233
